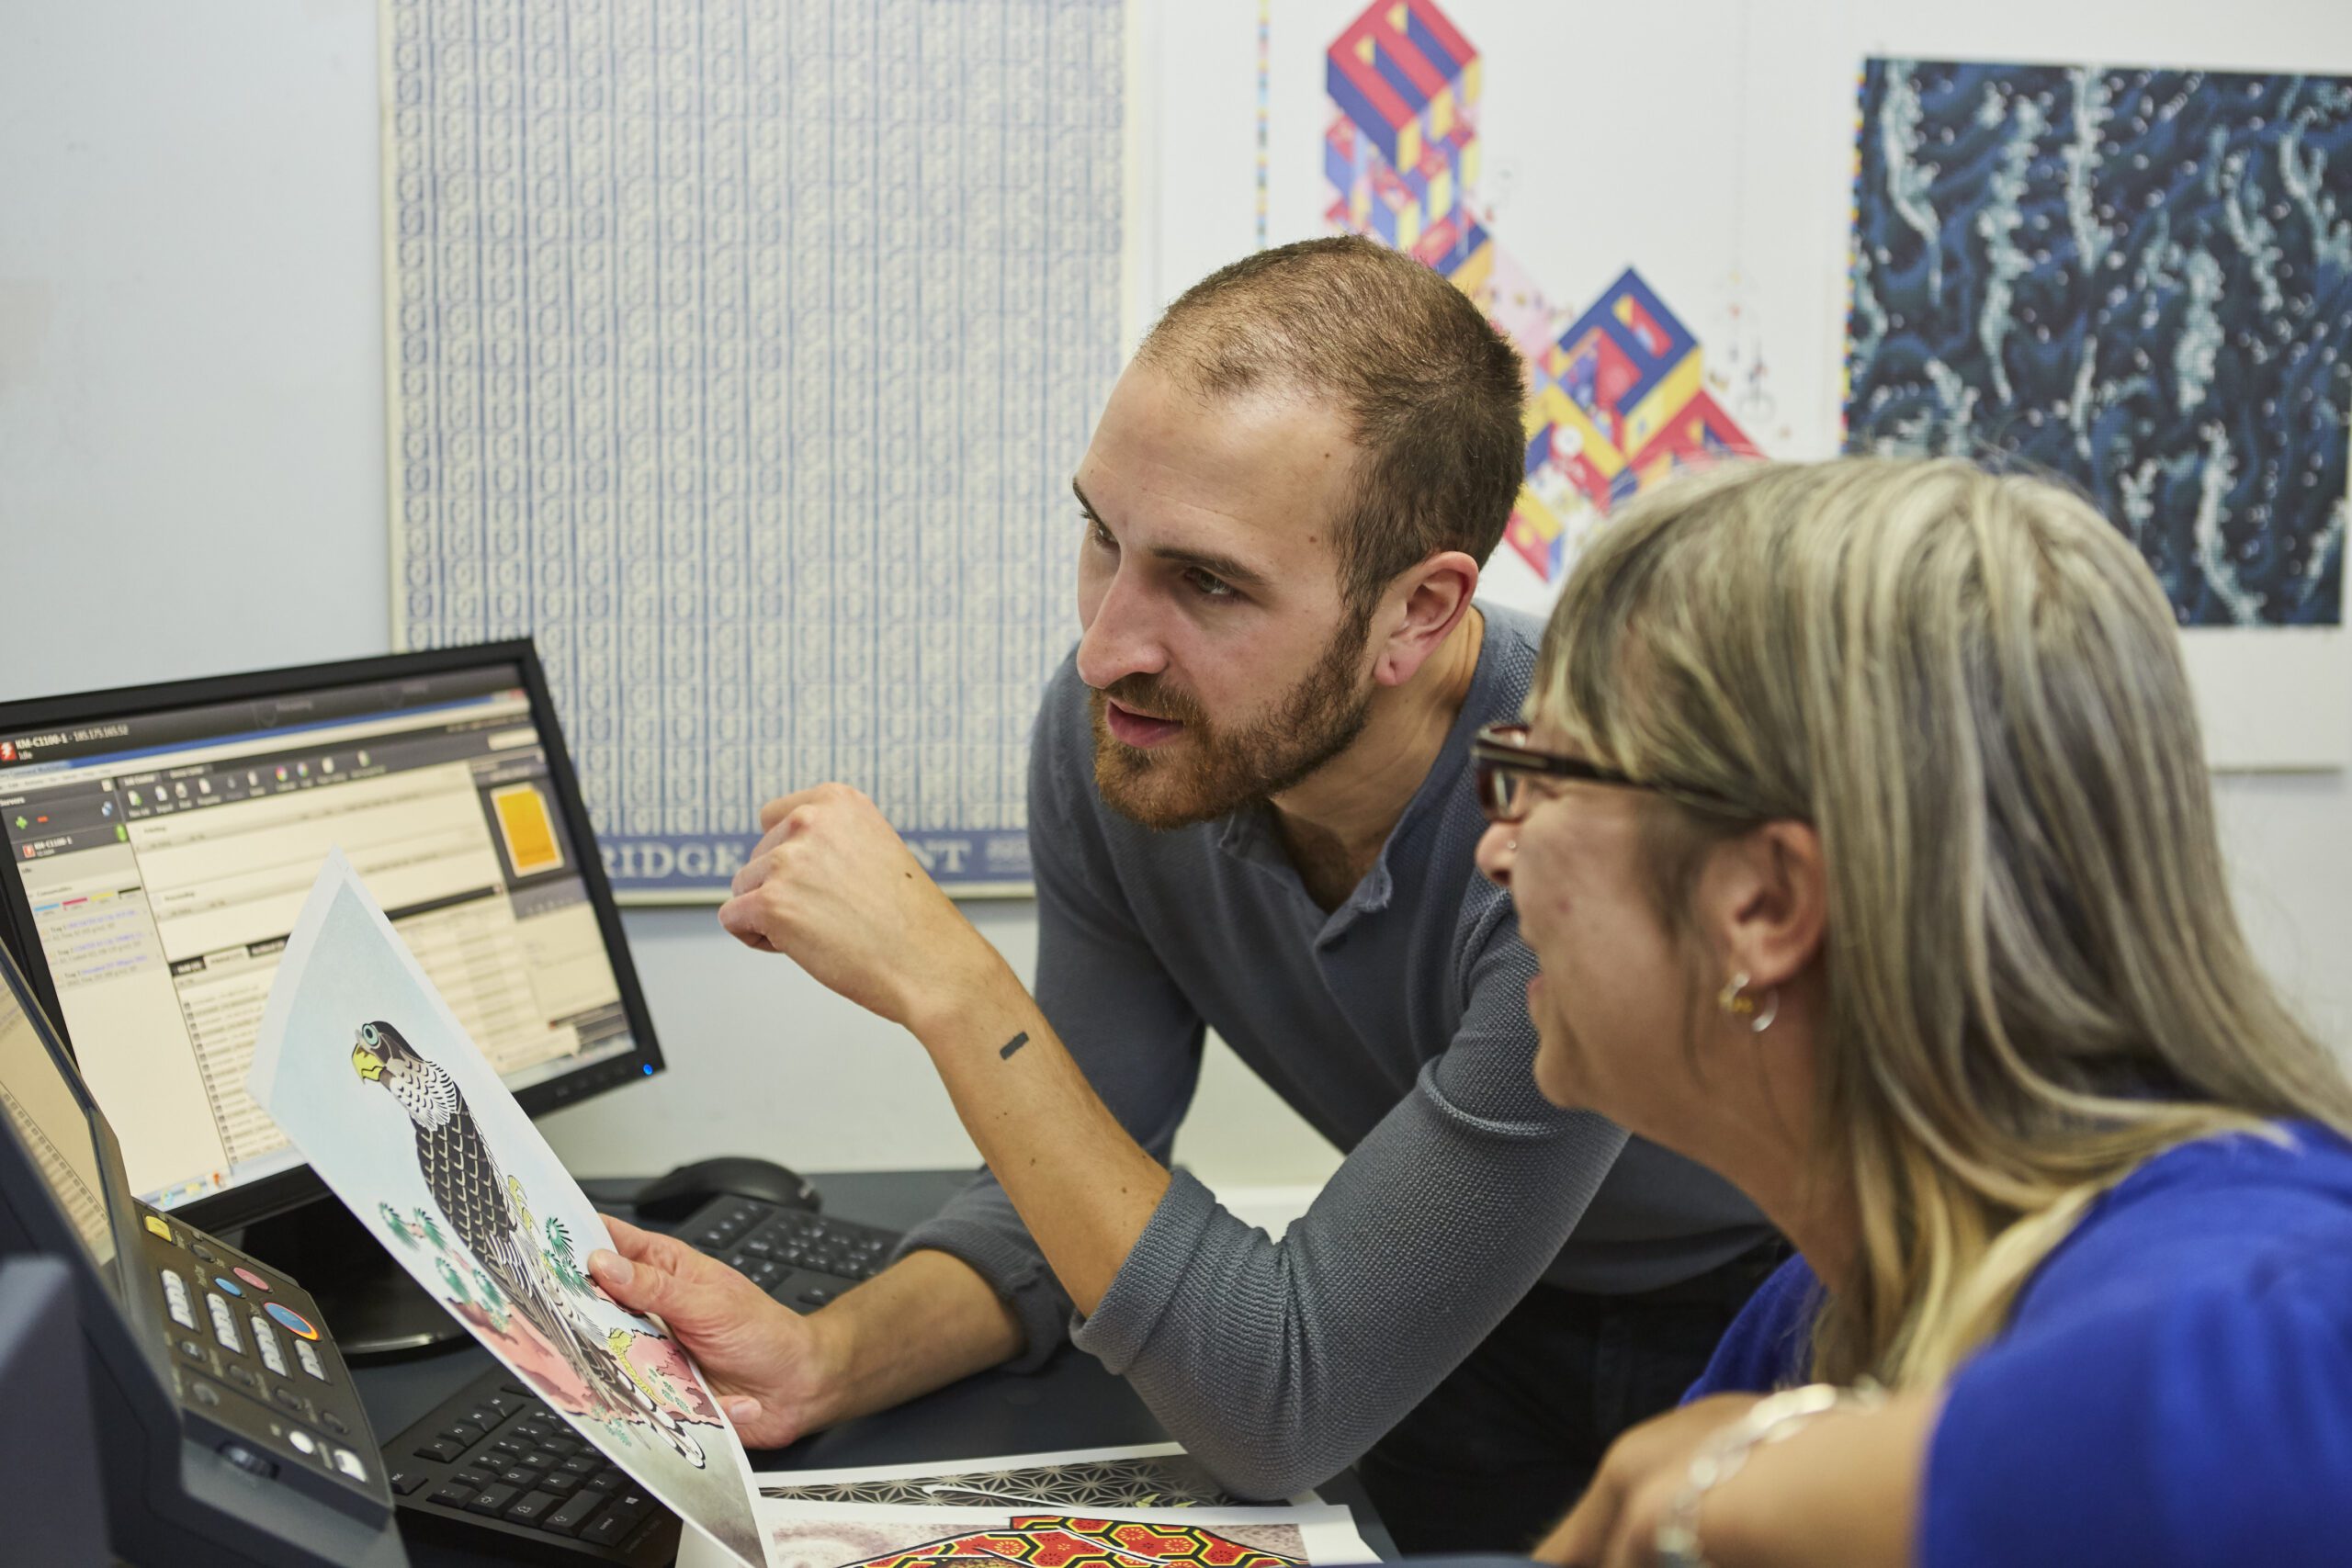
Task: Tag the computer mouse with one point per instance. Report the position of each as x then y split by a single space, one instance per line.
686 1189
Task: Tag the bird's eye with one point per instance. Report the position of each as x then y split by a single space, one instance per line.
368 1032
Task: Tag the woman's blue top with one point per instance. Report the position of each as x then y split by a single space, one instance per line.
2173 1386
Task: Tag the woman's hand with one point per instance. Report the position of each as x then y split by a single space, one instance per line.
1615 1524
1841 1491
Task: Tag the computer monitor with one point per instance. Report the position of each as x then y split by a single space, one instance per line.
162 840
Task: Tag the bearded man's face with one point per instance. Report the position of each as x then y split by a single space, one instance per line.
1227 660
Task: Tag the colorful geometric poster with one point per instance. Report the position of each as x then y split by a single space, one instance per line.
1619 396
2141 280
741 354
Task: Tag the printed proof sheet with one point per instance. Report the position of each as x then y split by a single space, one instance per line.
373 1078
844 1535
741 352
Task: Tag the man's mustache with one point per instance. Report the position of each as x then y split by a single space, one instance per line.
1152 696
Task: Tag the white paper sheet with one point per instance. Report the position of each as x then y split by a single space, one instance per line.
848 1535
376 1082
1146 1475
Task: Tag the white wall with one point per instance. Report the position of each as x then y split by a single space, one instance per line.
192 481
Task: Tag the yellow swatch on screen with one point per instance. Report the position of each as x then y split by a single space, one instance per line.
530 834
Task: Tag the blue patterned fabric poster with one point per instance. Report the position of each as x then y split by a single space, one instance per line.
2140 279
741 352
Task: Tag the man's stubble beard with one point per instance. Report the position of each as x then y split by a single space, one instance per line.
1220 773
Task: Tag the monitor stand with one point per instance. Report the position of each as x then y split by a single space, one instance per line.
373 1307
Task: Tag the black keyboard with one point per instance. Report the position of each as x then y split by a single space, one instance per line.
493 1467
802 1259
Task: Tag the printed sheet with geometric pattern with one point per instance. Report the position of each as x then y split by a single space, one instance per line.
797 1533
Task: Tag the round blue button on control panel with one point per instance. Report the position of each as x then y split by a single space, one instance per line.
293 1322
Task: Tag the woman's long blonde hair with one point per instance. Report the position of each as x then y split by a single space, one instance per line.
1969 683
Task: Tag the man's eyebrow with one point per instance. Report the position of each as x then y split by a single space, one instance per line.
1215 565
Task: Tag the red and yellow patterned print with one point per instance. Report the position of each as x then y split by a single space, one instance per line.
1059 1540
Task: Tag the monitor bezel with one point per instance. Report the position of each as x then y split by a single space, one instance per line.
265 1196
115 1278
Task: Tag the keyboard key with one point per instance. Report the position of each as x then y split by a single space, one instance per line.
266 1343
563 1484
177 1299
224 1325
462 1432
541 1459
487 1417
477 1479
308 1354
441 1448
405 1481
581 1464
519 1477
608 1528
562 1446
531 1507
603 1481
574 1513
492 1500
814 1297
453 1495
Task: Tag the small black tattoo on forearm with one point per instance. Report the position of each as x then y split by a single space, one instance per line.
1014 1045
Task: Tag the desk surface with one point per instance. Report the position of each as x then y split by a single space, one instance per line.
1071 1403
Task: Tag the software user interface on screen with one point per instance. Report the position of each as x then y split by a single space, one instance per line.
54 1127
166 856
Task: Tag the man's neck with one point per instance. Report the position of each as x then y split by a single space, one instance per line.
1335 822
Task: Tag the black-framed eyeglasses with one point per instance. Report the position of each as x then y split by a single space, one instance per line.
1503 765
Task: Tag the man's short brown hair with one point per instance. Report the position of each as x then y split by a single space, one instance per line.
1431 393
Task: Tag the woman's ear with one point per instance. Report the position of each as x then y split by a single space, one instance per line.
1764 902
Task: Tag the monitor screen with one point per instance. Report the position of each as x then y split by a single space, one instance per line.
53 1125
161 843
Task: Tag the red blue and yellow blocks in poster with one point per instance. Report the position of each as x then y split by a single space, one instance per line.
1618 400
1403 77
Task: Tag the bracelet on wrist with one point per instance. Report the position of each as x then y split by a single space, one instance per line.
1770 1420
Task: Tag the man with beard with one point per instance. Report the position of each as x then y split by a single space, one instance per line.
1250 810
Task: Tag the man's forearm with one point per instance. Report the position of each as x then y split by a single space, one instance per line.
924 1322
1085 1189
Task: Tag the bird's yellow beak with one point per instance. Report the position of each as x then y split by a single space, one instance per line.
366 1064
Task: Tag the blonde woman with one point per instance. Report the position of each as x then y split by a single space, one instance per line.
1863 833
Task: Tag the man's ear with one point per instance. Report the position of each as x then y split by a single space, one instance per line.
1420 612
1764 900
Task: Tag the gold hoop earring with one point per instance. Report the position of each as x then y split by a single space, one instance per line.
1734 1000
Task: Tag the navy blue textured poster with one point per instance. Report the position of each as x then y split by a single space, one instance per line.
2139 280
